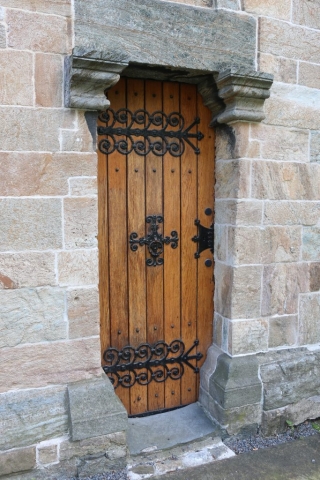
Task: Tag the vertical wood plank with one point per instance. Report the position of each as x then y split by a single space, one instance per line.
205 200
171 209
137 260
154 205
188 102
118 241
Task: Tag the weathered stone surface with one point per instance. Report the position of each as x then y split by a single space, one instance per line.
83 312
57 7
223 284
309 314
80 222
309 74
49 87
78 138
250 245
311 243
291 213
209 366
34 31
247 336
290 378
49 363
283 69
314 277
232 141
269 8
315 147
30 416
241 212
246 292
232 179
285 181
198 3
306 12
29 224
45 121
94 466
113 444
297 42
83 186
18 460
275 421
282 284
61 471
244 420
283 331
42 173
127 32
220 242
31 316
88 416
3 36
231 4
285 144
27 269
79 267
47 454
293 105
16 72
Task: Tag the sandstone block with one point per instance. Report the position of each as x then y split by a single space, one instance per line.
297 42
3 36
49 363
16 72
49 87
291 213
311 243
283 331
309 325
283 69
113 442
47 454
234 419
247 336
87 409
33 415
94 466
34 31
79 186
220 242
241 212
315 147
80 222
30 224
233 141
56 7
198 3
18 460
27 174
285 181
78 139
232 178
217 331
306 12
230 4
32 316
247 245
290 378
309 74
246 292
285 144
269 8
79 267
314 277
83 312
27 270
223 286
45 121
293 106
282 284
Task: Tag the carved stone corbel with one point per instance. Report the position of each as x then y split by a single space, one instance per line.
86 81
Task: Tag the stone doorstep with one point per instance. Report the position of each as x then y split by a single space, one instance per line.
154 462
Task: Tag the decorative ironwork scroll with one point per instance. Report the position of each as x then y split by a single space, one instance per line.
154 240
148 363
204 239
139 124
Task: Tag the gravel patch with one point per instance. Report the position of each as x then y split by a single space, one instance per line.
115 475
255 442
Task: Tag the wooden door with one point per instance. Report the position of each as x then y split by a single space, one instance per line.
156 179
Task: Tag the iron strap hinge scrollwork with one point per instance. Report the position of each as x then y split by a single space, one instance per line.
204 239
154 240
156 140
148 363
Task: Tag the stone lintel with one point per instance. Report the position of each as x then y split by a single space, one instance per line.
86 81
94 409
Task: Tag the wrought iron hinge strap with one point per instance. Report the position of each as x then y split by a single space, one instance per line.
156 140
204 239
